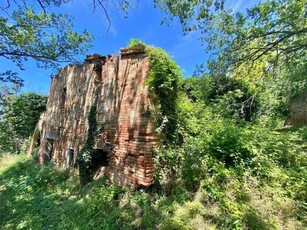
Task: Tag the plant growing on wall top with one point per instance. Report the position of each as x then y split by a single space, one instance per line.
134 42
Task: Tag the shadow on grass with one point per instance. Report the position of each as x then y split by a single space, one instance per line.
42 197
31 196
253 220
35 197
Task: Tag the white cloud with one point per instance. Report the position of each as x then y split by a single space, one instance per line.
237 6
240 5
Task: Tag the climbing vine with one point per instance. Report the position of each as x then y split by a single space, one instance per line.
164 76
135 42
164 79
85 160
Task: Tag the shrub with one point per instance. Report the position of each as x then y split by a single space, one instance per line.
193 88
227 146
229 96
134 42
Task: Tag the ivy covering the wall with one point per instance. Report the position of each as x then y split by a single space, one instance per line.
164 77
85 160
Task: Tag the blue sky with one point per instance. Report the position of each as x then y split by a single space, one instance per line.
143 22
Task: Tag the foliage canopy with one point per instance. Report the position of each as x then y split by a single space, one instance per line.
32 30
19 116
275 28
28 32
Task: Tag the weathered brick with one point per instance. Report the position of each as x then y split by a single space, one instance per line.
125 108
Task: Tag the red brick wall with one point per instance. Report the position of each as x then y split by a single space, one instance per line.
298 109
126 112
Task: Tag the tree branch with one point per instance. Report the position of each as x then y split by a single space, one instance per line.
106 14
42 6
35 56
291 33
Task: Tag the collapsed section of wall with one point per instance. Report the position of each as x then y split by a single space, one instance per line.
126 116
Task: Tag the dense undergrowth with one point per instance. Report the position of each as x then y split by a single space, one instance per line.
247 177
196 190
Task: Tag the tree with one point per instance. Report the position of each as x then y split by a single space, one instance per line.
274 28
266 45
19 115
31 30
28 32
228 96
24 111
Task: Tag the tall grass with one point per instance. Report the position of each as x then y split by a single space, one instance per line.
46 197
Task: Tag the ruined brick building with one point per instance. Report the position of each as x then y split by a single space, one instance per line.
126 115
298 109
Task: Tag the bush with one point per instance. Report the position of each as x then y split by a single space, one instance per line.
134 42
227 146
193 87
228 96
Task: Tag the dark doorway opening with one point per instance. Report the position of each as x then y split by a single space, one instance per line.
63 96
70 157
100 162
49 148
100 158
